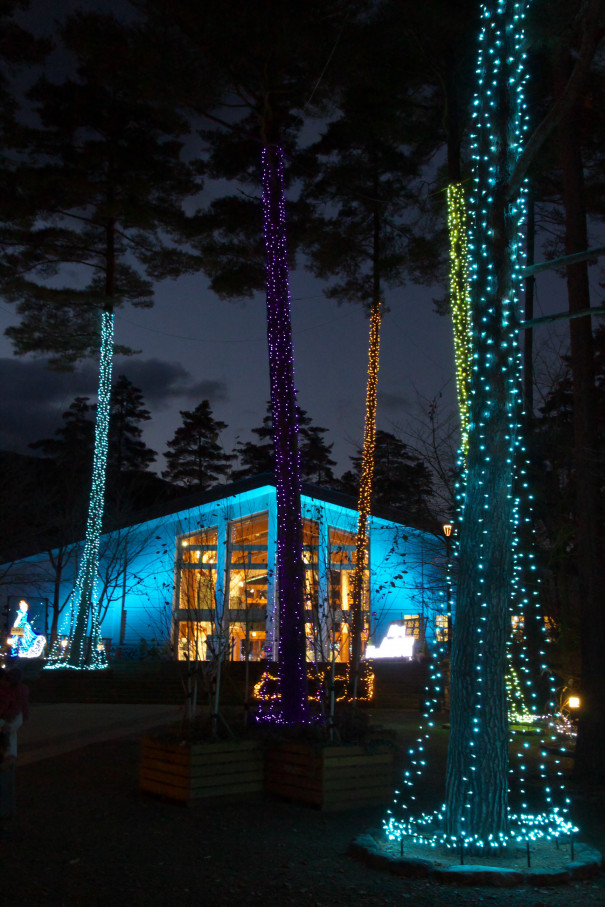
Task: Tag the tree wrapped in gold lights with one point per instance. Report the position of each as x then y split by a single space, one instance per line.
365 495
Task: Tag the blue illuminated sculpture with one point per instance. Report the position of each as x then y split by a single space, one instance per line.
23 641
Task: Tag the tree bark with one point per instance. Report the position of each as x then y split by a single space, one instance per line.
477 767
590 743
292 672
81 653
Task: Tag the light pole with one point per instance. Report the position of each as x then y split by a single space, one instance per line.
447 533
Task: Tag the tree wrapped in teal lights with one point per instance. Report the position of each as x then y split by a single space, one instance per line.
477 771
477 815
104 183
86 646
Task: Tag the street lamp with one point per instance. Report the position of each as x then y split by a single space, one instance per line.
447 532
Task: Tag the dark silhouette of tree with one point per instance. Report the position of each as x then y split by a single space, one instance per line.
103 178
194 457
126 449
401 479
316 462
256 457
477 775
71 448
268 58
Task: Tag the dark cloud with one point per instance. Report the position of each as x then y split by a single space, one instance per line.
35 397
162 381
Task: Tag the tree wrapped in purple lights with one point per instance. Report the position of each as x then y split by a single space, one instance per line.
292 675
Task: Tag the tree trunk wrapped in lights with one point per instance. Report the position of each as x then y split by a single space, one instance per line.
291 647
460 303
365 495
89 653
477 771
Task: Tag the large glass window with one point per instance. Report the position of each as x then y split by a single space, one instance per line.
197 570
442 627
248 575
342 551
342 566
313 615
197 566
192 640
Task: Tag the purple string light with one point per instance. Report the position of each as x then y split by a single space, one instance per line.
292 672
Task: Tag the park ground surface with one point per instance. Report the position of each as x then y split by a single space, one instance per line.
85 835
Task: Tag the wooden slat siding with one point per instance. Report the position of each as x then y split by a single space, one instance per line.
201 771
165 790
332 777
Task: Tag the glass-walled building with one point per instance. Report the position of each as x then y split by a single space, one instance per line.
245 614
201 574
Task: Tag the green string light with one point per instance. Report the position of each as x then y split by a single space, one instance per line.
460 303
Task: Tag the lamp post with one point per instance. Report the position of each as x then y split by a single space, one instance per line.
447 533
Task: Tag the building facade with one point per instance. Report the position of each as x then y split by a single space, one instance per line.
200 573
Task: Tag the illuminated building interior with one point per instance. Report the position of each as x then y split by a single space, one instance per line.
200 573
328 590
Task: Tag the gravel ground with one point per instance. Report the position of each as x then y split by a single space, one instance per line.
84 835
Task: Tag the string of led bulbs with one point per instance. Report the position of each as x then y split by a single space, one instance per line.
82 653
365 485
497 18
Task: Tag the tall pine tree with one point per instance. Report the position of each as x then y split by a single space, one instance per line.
127 450
195 457
104 177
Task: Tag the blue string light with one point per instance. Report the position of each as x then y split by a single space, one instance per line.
494 407
88 653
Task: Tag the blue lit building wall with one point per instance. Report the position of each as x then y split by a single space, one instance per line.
406 566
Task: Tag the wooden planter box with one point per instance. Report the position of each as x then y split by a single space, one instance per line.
185 772
331 777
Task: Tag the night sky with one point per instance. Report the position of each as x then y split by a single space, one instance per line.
193 346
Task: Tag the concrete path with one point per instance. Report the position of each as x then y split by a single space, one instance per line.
55 728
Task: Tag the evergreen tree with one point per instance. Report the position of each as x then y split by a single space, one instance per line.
269 57
315 456
104 178
477 778
401 479
72 446
195 458
316 463
256 458
18 49
126 449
